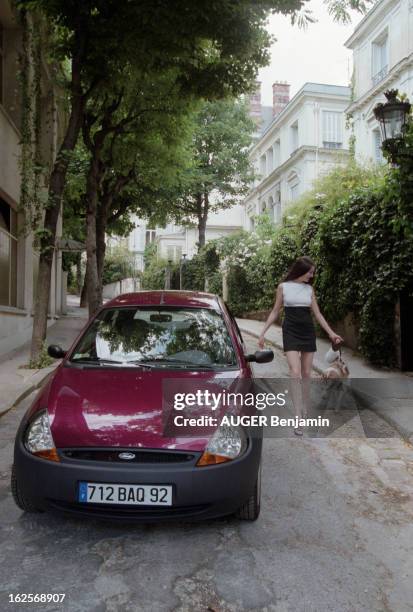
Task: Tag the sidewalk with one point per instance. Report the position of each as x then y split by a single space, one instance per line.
16 382
389 393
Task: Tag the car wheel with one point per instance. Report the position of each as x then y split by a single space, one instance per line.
24 503
250 510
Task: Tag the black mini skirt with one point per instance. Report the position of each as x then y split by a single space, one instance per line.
298 330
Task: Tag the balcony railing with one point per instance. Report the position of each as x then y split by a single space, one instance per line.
379 76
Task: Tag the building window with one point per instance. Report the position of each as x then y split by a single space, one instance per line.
271 208
8 255
294 191
277 153
294 136
377 151
332 130
277 206
277 212
263 165
379 58
270 160
174 253
150 236
1 61
294 187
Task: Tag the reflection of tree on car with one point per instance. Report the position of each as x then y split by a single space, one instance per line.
189 336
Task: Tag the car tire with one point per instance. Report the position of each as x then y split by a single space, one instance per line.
250 510
23 502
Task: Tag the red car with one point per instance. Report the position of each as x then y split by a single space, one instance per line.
94 442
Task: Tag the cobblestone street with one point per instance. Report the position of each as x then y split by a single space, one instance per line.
335 533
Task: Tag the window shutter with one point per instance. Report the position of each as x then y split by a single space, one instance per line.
332 127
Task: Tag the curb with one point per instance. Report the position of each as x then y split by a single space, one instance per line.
28 390
375 405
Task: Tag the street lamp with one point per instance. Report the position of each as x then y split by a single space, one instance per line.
392 117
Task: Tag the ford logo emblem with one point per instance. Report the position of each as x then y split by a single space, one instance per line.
127 456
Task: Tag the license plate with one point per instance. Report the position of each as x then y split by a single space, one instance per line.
130 494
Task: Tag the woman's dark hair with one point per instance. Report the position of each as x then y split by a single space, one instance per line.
299 267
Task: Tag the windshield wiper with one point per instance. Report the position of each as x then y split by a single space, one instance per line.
94 360
164 361
101 361
149 363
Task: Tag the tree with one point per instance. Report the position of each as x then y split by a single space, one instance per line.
220 174
216 48
74 227
137 125
210 52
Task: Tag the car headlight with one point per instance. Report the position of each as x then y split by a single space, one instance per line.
227 443
38 439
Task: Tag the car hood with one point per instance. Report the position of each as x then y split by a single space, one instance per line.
119 407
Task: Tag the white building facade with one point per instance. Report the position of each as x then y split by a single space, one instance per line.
174 241
382 46
306 137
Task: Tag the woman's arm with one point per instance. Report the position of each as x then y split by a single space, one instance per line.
273 316
335 338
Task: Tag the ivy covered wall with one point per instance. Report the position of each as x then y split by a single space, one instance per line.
356 225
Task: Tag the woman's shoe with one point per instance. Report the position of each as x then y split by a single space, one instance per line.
298 431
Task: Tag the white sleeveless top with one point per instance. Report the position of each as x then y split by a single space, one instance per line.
297 294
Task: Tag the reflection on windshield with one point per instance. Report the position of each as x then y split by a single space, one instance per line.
185 336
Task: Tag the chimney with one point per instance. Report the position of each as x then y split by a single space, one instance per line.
280 96
255 103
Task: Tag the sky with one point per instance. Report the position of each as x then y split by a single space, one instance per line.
316 54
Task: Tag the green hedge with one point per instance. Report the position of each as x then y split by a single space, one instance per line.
356 225
118 265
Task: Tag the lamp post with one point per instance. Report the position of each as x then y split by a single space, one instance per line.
392 117
181 264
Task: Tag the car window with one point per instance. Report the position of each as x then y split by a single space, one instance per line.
192 336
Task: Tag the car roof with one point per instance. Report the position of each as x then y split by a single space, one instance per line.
193 299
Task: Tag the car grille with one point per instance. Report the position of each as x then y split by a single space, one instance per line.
112 455
119 512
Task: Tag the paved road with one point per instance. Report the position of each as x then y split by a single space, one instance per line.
335 534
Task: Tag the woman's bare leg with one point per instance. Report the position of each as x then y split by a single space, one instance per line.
294 365
306 371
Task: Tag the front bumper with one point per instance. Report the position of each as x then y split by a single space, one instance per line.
198 492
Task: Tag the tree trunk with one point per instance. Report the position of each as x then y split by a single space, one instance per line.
201 231
56 186
93 294
101 249
203 206
106 197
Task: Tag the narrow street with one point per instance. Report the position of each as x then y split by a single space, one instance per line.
335 534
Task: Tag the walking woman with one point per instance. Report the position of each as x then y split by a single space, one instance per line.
296 295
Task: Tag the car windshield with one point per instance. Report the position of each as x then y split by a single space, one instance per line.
183 337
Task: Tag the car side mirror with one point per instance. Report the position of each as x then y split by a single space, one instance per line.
260 356
56 351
